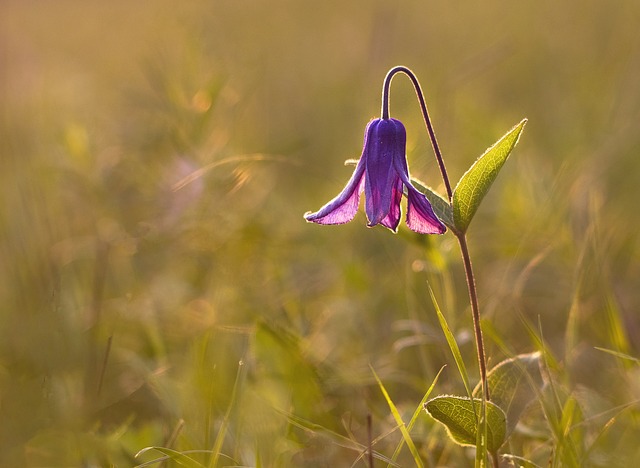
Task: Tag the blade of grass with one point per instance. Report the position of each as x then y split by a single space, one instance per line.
556 412
417 413
481 438
617 332
453 345
365 451
399 421
179 457
481 420
172 456
618 354
522 462
571 439
618 410
489 330
420 407
217 446
335 437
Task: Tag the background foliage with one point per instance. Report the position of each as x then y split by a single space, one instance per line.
111 246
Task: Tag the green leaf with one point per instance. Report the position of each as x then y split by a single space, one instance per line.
441 207
475 183
511 385
458 416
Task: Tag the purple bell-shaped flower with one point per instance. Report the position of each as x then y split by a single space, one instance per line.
383 174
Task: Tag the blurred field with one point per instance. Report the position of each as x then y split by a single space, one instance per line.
155 162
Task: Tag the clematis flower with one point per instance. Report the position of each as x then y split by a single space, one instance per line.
383 175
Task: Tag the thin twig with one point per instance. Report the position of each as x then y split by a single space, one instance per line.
370 437
103 369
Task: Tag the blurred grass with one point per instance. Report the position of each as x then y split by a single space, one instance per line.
106 107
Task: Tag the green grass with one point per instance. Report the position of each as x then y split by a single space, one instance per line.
155 164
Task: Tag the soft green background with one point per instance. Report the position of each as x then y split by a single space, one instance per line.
106 106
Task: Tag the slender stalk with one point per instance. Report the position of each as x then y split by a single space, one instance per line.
425 115
475 311
462 240
105 360
370 438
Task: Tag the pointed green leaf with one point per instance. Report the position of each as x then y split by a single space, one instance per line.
441 207
510 383
457 415
475 183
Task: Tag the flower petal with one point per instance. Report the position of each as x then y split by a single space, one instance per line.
344 207
378 151
420 215
393 218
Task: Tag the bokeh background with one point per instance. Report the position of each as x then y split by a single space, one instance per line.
156 159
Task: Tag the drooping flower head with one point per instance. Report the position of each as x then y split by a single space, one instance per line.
382 173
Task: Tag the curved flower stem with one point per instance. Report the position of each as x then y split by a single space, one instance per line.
462 240
425 115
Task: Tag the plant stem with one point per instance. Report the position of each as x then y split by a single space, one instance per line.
475 311
462 240
370 438
425 115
